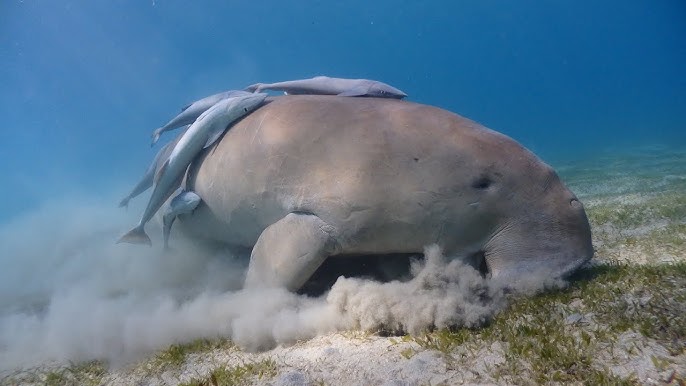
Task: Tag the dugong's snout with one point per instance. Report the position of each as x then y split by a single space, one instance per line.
549 238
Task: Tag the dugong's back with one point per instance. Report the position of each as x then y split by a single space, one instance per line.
391 175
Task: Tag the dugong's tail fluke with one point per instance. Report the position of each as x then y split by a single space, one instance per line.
136 235
257 87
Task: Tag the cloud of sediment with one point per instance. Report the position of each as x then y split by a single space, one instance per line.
69 293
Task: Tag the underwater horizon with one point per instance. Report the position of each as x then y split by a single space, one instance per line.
596 90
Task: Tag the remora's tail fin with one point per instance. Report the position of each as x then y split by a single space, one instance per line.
136 235
254 87
156 136
124 203
167 221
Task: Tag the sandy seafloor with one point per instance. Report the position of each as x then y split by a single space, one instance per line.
636 202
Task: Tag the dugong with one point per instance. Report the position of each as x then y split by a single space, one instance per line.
307 177
324 85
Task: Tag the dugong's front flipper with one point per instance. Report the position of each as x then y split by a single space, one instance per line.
289 251
184 202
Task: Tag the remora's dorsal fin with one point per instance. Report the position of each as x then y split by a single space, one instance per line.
184 108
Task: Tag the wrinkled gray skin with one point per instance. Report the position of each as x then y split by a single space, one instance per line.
146 181
324 85
307 177
181 203
191 112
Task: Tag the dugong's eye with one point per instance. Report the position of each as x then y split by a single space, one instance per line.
482 182
245 109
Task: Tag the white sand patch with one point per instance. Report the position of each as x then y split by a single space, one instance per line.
338 359
648 361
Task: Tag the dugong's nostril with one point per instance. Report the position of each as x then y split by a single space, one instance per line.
575 203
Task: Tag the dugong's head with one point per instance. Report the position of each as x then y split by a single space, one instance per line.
538 227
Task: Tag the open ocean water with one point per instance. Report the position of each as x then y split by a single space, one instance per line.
596 89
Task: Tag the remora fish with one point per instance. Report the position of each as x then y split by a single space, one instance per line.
149 176
184 202
192 111
202 133
323 85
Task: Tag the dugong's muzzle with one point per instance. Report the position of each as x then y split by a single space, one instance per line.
549 240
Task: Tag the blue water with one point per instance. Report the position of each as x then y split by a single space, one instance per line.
597 89
83 83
